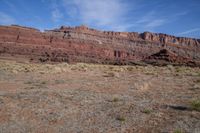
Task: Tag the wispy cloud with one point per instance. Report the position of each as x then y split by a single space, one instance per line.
98 12
179 14
189 31
153 20
118 15
6 19
155 23
150 21
10 5
56 15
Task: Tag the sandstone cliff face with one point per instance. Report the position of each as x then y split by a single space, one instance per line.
82 44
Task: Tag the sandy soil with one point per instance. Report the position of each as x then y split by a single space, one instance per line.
82 98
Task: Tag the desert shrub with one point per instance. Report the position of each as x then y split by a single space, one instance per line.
178 69
147 111
43 82
109 74
149 73
177 131
59 81
130 68
120 118
110 67
115 99
28 82
195 104
197 81
198 74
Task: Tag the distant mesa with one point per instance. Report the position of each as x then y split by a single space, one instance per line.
84 44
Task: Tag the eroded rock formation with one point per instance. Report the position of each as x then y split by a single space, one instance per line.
82 44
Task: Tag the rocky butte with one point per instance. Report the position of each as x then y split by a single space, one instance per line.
83 44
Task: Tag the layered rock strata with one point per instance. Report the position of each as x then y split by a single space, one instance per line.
83 44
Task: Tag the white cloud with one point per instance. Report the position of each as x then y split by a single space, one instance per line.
146 18
56 15
10 5
179 14
5 19
155 23
150 21
98 12
118 15
189 31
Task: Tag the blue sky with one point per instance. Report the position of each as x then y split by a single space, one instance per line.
175 17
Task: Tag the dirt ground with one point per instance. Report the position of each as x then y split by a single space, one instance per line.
88 98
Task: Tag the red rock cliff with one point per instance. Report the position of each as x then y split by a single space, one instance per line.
82 44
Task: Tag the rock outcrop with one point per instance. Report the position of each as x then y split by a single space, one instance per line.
83 44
